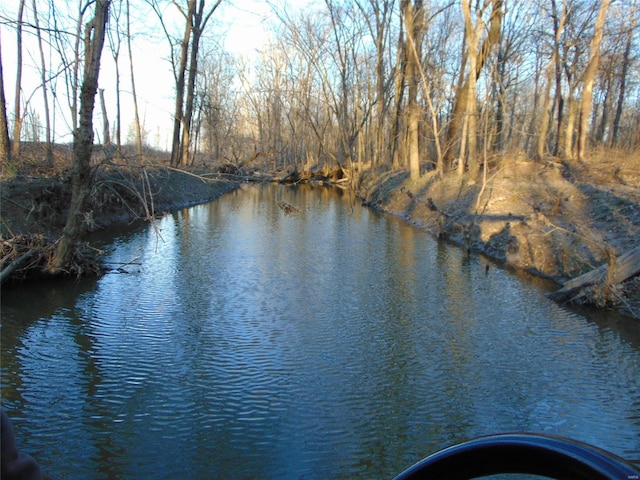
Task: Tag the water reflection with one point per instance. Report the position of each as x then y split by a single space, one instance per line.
332 343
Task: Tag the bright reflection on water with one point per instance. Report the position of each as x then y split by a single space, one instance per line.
335 343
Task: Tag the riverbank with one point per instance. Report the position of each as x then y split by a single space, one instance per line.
552 220
33 208
39 205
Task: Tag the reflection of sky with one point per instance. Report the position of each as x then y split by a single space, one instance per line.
333 340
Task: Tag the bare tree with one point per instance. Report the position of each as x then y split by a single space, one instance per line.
83 141
198 19
626 60
106 136
5 148
138 132
115 43
558 21
587 89
179 71
492 27
378 22
17 115
44 85
413 17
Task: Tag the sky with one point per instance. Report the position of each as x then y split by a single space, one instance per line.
242 23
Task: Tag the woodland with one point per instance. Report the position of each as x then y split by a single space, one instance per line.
489 122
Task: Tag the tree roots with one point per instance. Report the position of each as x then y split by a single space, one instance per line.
24 257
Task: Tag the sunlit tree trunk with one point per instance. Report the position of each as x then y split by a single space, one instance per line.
472 38
558 19
413 16
460 104
590 75
83 141
115 43
399 79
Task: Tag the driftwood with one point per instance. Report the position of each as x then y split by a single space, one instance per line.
626 266
18 262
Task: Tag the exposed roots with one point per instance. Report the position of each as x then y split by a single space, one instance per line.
25 257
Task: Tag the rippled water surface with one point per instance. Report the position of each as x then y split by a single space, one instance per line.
240 342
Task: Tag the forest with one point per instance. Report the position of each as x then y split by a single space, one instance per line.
458 89
399 84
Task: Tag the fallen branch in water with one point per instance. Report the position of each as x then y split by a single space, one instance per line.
18 262
612 273
25 257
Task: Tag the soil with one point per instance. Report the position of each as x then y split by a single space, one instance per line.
39 205
553 220
34 209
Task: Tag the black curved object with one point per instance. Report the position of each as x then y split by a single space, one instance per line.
525 453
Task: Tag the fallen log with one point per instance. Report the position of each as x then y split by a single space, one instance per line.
18 262
627 265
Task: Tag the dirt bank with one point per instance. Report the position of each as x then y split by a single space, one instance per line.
33 211
39 205
553 220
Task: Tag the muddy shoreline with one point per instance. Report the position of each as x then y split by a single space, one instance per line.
530 217
39 205
554 222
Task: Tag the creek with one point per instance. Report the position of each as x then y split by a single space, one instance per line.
233 340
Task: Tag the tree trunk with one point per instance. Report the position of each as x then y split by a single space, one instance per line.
414 22
106 137
623 79
472 39
17 115
83 141
567 145
198 23
400 74
178 115
460 104
118 127
191 82
625 266
547 113
381 13
43 77
606 106
5 148
590 75
136 114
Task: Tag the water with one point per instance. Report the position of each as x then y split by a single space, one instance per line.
240 342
